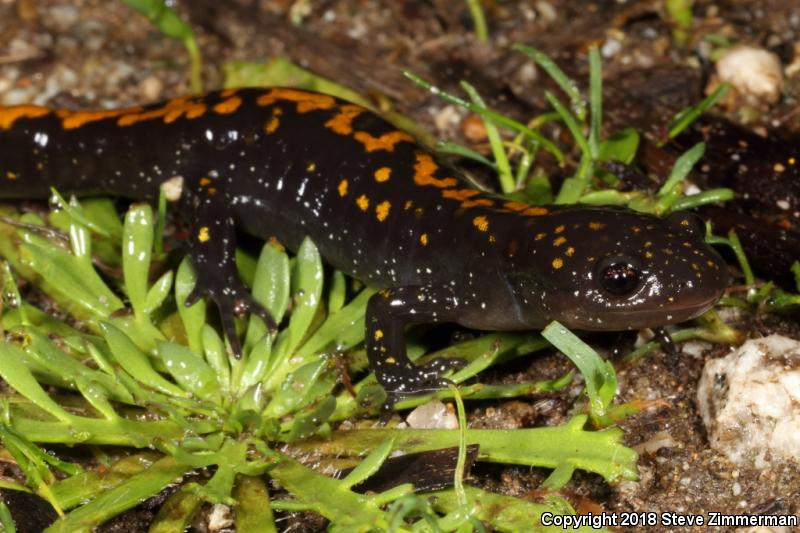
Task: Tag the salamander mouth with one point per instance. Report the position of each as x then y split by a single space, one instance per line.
631 319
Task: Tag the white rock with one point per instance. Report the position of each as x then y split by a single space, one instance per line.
220 517
432 415
753 72
748 401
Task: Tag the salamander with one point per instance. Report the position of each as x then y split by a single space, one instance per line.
291 164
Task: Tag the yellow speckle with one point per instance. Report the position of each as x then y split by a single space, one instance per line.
203 235
648 244
423 239
596 225
791 161
378 334
668 251
670 299
648 255
559 241
481 223
204 182
382 210
558 263
212 191
686 244
560 228
11 175
778 168
408 204
363 202
272 124
570 251
637 229
540 236
418 212
684 222
311 167
342 188
391 360
382 174
492 239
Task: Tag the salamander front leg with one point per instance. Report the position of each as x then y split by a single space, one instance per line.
388 312
212 247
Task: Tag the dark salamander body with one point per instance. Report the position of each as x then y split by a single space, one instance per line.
290 164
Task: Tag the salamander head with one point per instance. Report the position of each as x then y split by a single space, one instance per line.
615 269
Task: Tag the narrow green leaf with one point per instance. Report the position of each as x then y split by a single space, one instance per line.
136 363
127 494
271 288
17 375
194 317
158 292
190 371
621 146
137 245
369 465
601 380
253 512
217 357
682 167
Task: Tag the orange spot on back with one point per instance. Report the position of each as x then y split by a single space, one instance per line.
382 210
596 225
342 123
382 174
535 211
306 101
408 204
424 170
570 251
384 142
559 228
559 241
9 115
75 119
423 239
459 194
226 107
485 202
227 93
540 236
169 111
516 206
558 263
481 223
363 202
342 188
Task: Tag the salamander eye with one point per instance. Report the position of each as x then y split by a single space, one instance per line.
618 275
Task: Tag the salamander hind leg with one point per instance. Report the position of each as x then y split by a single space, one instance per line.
212 247
388 312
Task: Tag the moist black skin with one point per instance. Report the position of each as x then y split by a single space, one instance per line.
289 164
